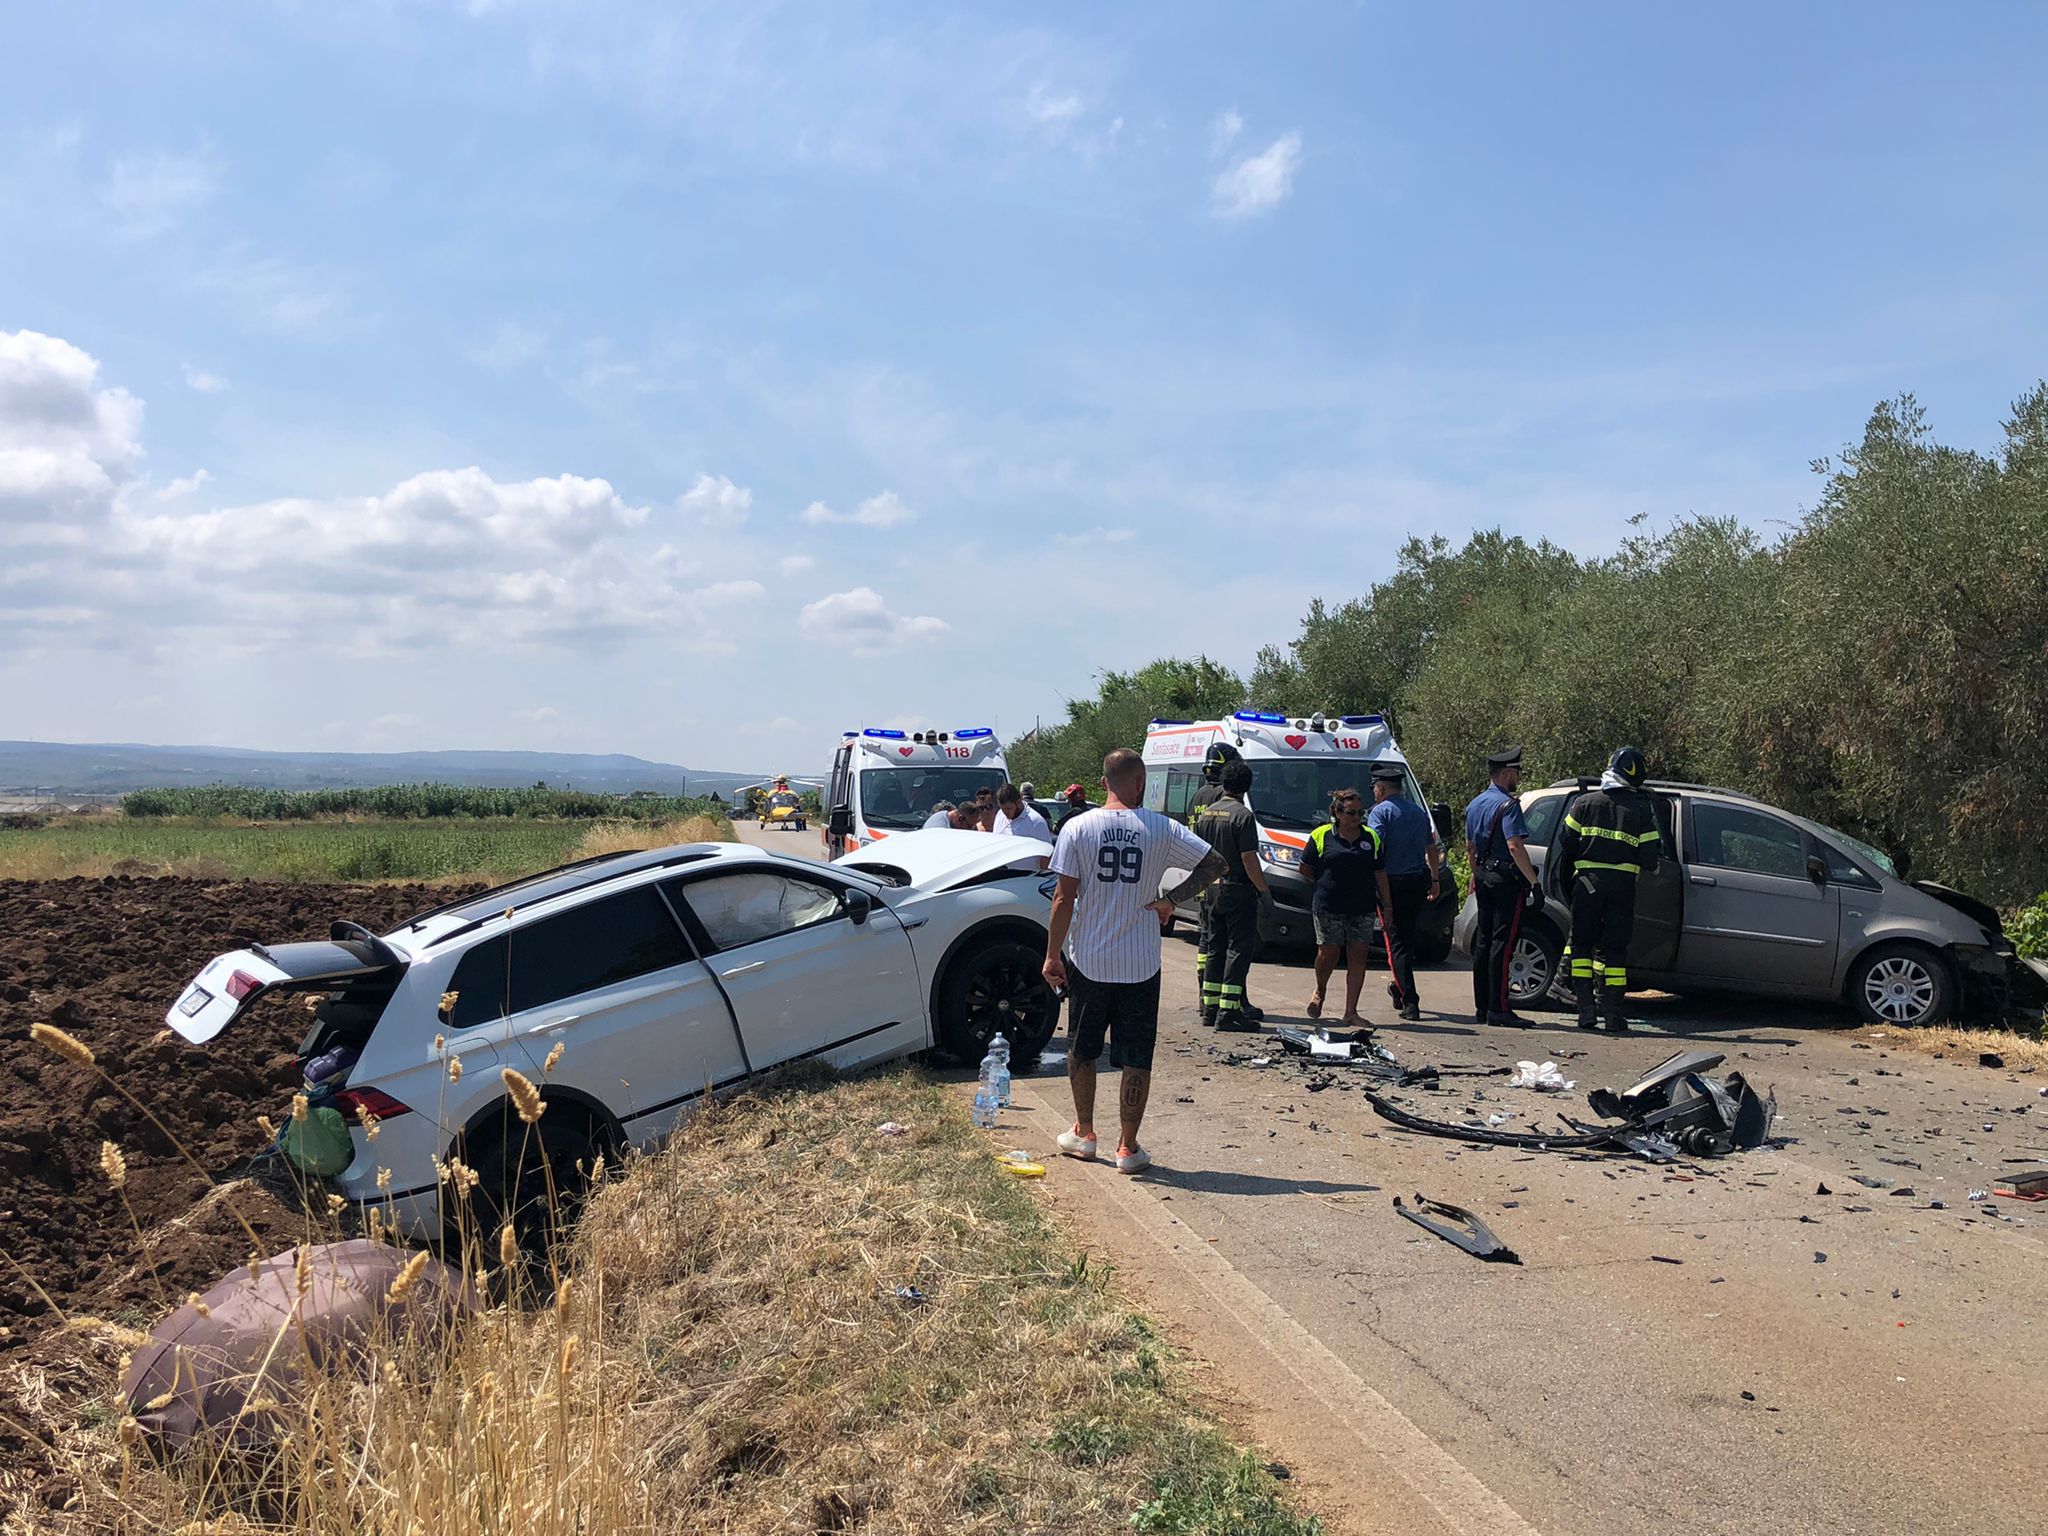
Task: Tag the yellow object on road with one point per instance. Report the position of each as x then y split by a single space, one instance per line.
1020 1165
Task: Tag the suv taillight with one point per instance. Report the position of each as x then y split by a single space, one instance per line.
358 1102
241 984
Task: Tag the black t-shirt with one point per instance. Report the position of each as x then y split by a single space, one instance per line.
1227 825
1344 873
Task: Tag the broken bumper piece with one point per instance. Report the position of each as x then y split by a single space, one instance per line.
1458 1227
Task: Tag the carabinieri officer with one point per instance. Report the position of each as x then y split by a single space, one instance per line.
1503 882
1413 860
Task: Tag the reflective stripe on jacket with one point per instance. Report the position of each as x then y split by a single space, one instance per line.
1610 829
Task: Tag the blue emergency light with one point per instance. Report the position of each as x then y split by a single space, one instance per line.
1259 717
885 735
974 735
1365 719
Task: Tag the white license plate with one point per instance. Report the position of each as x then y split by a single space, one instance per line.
194 1000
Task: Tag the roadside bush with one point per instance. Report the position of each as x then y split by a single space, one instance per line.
2028 929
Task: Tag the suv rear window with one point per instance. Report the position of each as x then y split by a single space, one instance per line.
479 986
594 945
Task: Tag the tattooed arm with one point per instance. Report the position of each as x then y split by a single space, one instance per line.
1200 878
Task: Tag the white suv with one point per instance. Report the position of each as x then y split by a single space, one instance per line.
661 976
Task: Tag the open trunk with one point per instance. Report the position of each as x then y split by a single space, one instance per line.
359 963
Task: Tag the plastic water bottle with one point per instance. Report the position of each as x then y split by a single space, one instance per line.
984 1111
999 1048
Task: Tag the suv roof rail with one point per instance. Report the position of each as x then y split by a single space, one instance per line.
550 883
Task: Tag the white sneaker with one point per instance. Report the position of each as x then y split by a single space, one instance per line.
1074 1145
1137 1160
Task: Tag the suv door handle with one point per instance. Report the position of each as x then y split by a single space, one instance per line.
1702 879
741 970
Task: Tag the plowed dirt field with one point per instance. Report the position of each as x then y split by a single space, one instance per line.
103 959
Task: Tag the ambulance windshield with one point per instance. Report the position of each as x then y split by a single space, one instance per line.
901 799
1295 792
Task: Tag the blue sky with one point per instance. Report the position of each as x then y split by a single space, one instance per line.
698 383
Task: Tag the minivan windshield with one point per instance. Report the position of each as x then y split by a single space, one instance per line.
901 799
1295 792
1863 850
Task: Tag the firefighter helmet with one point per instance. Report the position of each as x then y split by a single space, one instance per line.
1219 753
1629 766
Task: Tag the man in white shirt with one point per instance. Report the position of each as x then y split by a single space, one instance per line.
961 818
1017 817
1103 944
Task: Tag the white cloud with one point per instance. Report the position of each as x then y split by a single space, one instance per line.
1224 131
1054 110
715 502
147 191
1258 182
206 383
448 559
184 485
796 565
1097 536
67 448
512 345
885 510
864 624
273 295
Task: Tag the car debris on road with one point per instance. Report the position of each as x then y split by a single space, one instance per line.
1459 1227
1673 1109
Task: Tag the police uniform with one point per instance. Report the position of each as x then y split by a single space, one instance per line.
1406 835
1227 825
1491 819
1609 839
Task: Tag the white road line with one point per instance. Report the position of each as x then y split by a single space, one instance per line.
1385 1434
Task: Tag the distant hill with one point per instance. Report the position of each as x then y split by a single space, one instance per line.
109 768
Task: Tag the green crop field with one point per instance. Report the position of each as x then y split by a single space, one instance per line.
494 848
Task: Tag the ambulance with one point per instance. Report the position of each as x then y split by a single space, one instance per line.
1295 764
886 780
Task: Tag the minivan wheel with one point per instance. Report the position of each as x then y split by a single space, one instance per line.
1532 969
1901 984
996 985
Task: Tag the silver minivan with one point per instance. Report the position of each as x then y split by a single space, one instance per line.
1756 900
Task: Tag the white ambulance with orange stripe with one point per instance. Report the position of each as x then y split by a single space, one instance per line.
886 780
1295 764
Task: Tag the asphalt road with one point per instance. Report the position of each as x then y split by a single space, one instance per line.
1859 1361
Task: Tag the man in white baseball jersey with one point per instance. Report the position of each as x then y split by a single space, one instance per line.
1103 945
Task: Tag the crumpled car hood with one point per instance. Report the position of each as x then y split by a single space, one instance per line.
944 857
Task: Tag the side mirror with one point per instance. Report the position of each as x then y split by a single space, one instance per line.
858 905
1816 869
841 822
1440 817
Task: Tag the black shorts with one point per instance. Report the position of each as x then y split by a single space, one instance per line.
1125 1012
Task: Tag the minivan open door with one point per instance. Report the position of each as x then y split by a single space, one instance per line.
1660 895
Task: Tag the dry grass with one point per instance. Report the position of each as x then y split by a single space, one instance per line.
631 836
2021 1052
731 1355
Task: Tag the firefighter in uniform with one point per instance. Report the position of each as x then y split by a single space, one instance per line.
1503 885
1609 838
1242 899
1219 756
